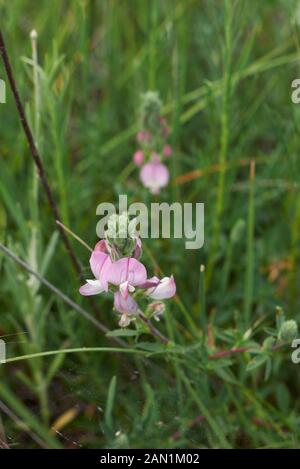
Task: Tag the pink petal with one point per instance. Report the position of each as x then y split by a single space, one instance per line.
154 175
166 288
138 248
101 246
125 306
127 269
138 157
124 290
151 282
92 287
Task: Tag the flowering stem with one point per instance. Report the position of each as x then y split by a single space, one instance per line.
70 232
155 332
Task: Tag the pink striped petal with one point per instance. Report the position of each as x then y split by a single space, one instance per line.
100 263
151 282
138 248
128 270
101 246
125 306
166 288
154 176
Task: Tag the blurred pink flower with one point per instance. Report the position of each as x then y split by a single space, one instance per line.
167 151
127 273
164 288
138 157
154 175
100 263
143 136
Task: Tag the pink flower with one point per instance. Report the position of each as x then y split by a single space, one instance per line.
167 151
164 288
100 263
138 157
143 136
127 273
154 176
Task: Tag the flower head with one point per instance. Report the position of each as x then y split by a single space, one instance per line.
288 330
116 268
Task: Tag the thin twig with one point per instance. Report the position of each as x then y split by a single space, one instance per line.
75 236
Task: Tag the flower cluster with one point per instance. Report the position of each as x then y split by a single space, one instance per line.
116 267
152 139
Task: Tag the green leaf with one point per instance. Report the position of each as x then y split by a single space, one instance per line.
268 343
268 369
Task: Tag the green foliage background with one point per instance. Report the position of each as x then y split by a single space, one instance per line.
224 70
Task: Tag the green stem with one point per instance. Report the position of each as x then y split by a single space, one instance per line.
202 301
74 350
250 246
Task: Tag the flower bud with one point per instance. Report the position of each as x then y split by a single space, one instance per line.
150 111
121 236
157 309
